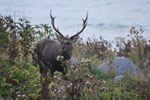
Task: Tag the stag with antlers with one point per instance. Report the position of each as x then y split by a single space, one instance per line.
48 51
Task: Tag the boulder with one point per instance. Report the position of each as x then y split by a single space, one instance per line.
74 60
119 78
146 73
147 63
121 65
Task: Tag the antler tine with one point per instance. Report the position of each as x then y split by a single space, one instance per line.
53 24
84 25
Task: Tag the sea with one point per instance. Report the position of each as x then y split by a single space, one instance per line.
106 18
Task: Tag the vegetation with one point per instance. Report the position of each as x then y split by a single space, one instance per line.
20 78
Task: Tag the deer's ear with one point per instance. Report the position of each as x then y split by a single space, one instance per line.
74 39
59 38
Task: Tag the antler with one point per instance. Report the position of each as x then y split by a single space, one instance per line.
84 25
53 24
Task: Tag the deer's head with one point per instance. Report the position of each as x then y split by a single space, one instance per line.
65 41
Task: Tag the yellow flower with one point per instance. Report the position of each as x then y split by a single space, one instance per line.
4 79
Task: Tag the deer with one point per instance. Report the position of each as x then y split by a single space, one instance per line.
50 51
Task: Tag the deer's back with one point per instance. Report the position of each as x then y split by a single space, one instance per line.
47 50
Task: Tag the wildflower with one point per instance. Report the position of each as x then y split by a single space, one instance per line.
72 66
59 91
88 60
67 62
59 78
104 81
87 82
103 89
23 95
76 70
18 92
82 61
60 58
19 95
55 77
69 85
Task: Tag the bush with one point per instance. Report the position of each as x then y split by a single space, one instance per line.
20 79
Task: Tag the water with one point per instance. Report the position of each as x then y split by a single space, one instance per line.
108 18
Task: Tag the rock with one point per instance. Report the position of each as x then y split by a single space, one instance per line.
147 63
119 78
121 65
146 73
74 60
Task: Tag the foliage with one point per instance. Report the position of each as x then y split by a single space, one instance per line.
18 76
76 86
21 80
135 48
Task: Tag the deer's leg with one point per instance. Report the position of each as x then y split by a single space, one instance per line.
64 73
52 72
41 65
65 70
44 82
